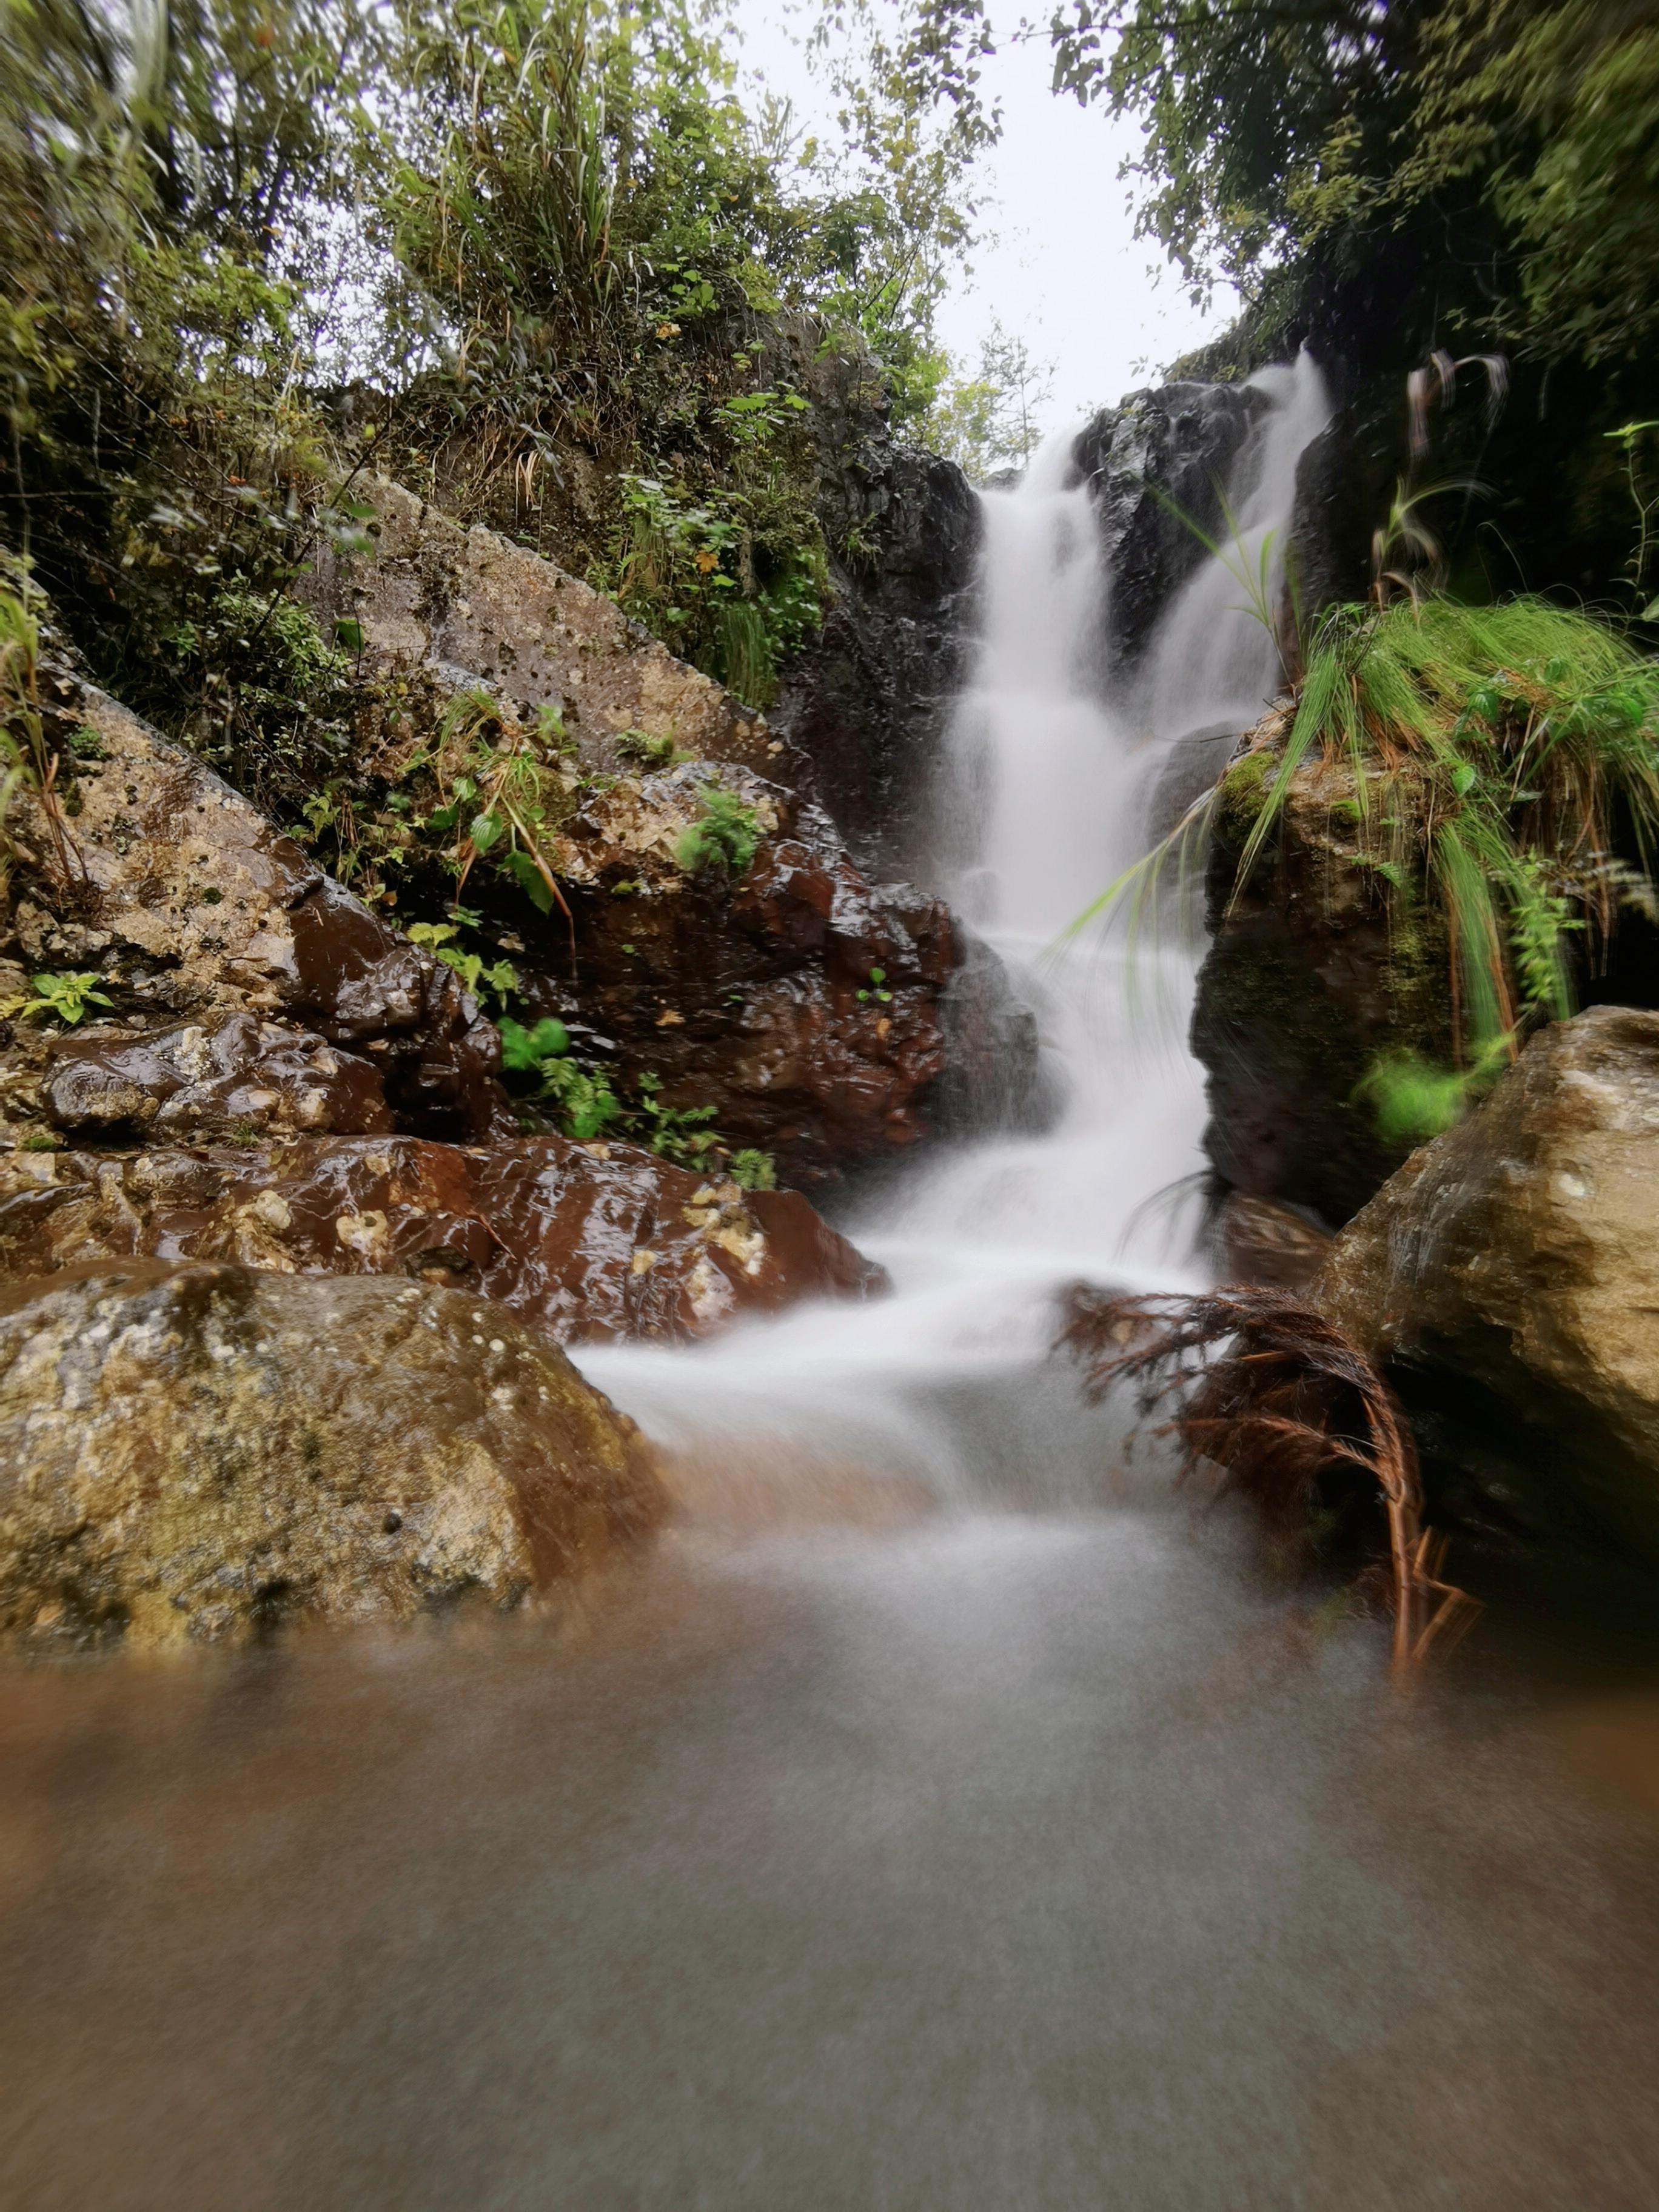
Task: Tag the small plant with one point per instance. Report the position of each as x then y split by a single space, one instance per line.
1412 1100
877 977
65 997
26 761
679 1134
726 834
582 1102
500 977
526 1052
646 750
1646 503
751 1170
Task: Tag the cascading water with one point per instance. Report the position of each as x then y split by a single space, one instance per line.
1052 775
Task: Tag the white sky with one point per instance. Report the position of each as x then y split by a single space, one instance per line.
1061 264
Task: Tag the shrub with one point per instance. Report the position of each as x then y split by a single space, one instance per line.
726 834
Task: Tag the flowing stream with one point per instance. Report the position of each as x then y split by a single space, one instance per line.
945 1814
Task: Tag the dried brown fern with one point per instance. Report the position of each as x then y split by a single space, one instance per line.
1285 1406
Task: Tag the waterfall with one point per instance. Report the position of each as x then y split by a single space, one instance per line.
1051 773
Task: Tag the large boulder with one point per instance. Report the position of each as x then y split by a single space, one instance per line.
1508 1279
756 994
198 1452
189 905
580 1242
432 593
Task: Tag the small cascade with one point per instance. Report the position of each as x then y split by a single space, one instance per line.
1212 661
1049 789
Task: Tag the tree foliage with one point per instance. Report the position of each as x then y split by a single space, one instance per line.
1514 142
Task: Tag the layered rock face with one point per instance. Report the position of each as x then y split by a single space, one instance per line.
1508 1277
198 1454
250 1019
580 1242
1180 440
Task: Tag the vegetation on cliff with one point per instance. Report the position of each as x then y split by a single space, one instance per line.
536 258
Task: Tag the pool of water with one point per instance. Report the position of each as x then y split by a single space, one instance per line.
864 1856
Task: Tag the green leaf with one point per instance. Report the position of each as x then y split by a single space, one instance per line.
484 829
529 880
526 1051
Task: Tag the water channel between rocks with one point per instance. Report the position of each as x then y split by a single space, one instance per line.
944 1812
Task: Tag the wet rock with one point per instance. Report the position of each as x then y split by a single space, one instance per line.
992 1079
197 1453
749 996
1508 1276
1256 1241
187 903
868 702
580 1242
246 1075
1306 982
808 1001
1180 441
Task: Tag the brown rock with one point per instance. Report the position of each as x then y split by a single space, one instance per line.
1508 1275
752 996
782 1030
195 1454
246 1075
190 905
1259 1241
580 1243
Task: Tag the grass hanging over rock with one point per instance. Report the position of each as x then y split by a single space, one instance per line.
1500 757
1501 769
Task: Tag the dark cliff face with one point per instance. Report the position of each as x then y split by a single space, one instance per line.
869 701
1160 451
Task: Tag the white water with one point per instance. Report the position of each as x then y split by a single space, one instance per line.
1051 778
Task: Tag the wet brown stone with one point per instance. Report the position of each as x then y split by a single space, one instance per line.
196 1454
246 1075
582 1242
751 995
1255 1239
